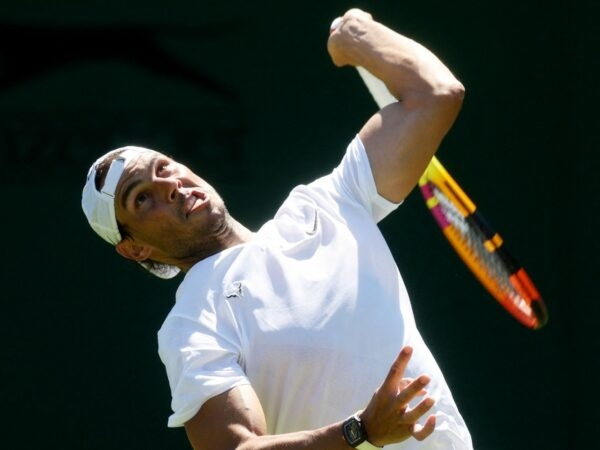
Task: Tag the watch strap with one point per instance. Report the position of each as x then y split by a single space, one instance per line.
358 442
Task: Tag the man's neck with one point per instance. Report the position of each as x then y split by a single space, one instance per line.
235 234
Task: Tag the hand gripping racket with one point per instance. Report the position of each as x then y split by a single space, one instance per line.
475 241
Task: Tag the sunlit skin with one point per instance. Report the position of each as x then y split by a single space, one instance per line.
399 140
171 215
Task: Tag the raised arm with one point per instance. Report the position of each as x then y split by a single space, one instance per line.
235 420
401 138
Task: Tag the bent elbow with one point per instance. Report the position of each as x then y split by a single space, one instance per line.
453 94
445 95
458 90
448 98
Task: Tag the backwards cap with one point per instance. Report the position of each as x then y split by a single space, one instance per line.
99 204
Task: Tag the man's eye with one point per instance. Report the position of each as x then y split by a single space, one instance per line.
161 168
140 199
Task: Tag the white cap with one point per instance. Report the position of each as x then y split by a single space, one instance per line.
99 205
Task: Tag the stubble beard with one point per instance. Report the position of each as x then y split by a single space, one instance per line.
212 237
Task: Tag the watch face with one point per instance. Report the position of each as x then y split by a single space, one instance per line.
353 432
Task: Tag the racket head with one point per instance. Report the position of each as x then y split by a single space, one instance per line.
480 247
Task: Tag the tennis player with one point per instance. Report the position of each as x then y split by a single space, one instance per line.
299 335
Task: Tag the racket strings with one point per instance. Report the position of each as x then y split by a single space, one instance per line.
469 242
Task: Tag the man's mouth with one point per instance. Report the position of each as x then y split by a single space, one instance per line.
195 201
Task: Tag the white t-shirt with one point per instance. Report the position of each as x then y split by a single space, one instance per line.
311 312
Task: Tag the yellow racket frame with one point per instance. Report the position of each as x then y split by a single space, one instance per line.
524 302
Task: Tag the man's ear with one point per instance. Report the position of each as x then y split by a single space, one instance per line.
132 250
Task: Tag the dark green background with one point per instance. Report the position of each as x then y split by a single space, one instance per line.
244 92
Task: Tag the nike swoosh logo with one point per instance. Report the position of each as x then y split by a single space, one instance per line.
315 223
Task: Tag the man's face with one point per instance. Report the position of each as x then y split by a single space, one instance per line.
163 204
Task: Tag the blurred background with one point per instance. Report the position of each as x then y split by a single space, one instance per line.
245 94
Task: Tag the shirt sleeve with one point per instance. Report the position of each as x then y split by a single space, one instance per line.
354 178
201 361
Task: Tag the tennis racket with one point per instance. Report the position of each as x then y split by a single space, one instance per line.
479 246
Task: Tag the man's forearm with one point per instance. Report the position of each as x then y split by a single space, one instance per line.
407 67
327 438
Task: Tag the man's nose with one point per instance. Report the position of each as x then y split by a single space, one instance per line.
170 188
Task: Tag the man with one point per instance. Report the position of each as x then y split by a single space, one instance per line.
301 334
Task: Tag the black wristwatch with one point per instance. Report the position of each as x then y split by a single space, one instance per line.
355 434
